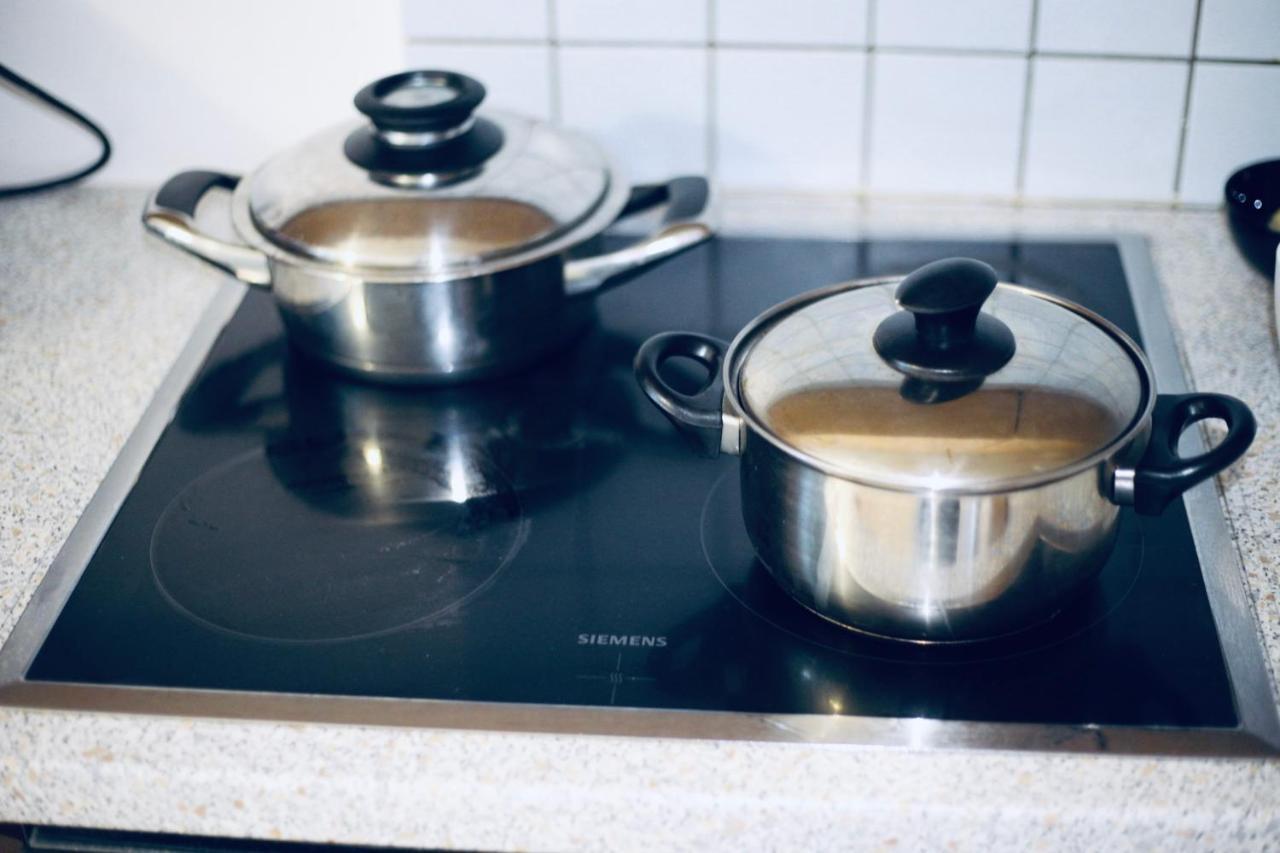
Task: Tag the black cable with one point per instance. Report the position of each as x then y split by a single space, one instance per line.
71 113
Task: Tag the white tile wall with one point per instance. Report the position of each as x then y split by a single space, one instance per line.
476 19
977 24
1104 128
946 124
1234 119
631 20
812 22
896 96
647 105
1240 29
1121 27
810 138
921 96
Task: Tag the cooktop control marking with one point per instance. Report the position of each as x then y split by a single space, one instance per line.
616 678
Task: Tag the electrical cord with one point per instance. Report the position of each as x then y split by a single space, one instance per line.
68 111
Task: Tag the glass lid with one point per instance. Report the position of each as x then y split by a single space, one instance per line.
426 184
928 387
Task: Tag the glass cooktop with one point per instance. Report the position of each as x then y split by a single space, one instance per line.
549 540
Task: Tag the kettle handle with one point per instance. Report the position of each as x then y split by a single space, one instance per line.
171 215
681 229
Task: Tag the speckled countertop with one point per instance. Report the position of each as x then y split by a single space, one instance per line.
91 317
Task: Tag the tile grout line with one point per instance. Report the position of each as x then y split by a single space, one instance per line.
1179 164
553 64
831 47
868 99
1028 82
711 47
712 141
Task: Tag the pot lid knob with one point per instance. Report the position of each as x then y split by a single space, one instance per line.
423 132
420 102
941 339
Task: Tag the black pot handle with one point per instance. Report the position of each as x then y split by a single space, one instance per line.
184 190
685 198
698 416
680 230
171 215
1162 474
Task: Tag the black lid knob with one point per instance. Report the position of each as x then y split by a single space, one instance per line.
420 101
421 127
942 336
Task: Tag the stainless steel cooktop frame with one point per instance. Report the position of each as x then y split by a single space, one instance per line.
1257 735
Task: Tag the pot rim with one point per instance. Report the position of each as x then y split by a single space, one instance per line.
742 344
601 217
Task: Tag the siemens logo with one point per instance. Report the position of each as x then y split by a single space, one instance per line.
622 640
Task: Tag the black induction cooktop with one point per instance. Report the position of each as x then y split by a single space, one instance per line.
549 540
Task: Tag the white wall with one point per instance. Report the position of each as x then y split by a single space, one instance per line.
1148 100
218 83
1080 99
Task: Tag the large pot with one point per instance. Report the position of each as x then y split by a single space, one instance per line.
942 472
430 244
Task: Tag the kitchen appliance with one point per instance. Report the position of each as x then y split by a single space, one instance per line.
428 243
272 545
939 458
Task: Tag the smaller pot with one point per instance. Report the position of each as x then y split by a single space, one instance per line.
939 472
431 243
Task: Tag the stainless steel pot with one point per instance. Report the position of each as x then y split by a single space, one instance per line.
939 473
430 243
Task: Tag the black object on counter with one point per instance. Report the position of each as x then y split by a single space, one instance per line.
1253 212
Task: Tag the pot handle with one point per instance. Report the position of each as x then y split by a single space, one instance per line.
698 416
171 212
1162 475
685 198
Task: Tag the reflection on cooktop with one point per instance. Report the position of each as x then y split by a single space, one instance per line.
730 558
335 539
